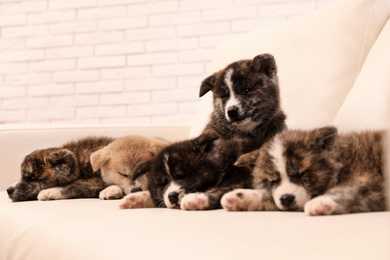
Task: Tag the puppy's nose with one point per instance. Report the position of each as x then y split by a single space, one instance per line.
232 112
287 200
173 197
10 190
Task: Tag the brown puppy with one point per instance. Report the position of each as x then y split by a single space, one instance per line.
317 171
60 173
246 99
118 160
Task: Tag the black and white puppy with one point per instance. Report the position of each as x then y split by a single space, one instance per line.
192 174
246 99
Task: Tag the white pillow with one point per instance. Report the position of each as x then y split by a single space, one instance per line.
367 105
318 56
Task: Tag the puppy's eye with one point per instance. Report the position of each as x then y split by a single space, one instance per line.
121 173
224 93
301 174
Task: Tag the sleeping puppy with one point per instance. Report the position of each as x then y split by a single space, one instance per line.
60 173
118 160
192 174
246 99
317 171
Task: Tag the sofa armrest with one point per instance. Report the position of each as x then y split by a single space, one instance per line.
18 141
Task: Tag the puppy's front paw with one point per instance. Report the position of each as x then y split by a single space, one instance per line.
194 201
321 205
51 194
242 200
111 193
141 199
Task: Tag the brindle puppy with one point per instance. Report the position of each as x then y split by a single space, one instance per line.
317 171
60 173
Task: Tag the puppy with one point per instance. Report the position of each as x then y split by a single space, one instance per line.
118 160
60 173
246 99
192 174
317 171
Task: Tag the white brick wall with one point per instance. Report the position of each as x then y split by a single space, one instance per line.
118 61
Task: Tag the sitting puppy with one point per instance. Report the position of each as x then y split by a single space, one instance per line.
246 99
317 171
60 173
192 174
118 160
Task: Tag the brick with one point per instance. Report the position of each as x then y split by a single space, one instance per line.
101 112
50 90
125 73
101 13
229 14
24 7
99 87
284 9
52 17
101 62
254 24
150 33
120 48
12 20
49 41
11 92
172 44
70 4
18 115
118 2
175 18
75 76
51 113
152 58
27 79
190 81
11 44
174 119
212 40
150 83
189 107
53 65
178 69
74 101
98 38
152 109
69 52
125 98
188 94
25 102
13 68
196 55
127 120
73 27
203 29
123 23
22 55
25 31
151 8
204 4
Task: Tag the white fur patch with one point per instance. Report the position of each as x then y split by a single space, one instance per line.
321 205
173 187
111 192
232 101
242 200
194 201
286 186
141 199
51 194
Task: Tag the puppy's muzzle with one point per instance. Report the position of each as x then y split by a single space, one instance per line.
287 200
233 113
173 198
10 191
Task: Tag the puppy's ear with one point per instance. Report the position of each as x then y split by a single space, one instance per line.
99 158
265 63
207 85
248 159
60 156
141 169
323 138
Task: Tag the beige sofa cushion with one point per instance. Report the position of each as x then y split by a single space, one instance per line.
318 55
368 103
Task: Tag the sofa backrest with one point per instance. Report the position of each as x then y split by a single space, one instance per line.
319 57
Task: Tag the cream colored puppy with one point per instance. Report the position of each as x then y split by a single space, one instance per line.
118 160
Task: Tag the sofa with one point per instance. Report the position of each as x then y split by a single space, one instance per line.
333 67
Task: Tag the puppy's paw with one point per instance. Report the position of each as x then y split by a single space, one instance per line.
242 200
194 201
111 193
321 205
141 199
51 194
